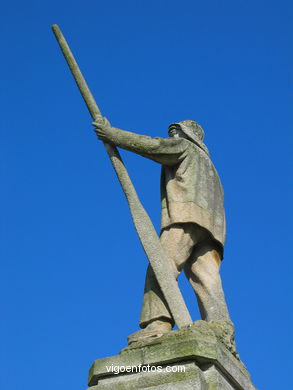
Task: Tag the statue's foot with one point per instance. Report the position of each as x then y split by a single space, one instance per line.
224 329
152 331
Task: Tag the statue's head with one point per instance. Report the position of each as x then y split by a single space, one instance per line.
190 130
187 129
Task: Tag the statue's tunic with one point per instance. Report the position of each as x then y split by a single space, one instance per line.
191 190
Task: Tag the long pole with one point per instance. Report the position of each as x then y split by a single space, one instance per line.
144 227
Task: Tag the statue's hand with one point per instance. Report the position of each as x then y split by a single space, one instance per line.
103 128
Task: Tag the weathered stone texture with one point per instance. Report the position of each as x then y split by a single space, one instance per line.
192 378
209 365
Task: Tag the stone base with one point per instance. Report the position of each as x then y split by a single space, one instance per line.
192 358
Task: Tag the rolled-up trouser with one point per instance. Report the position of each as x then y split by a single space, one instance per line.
189 247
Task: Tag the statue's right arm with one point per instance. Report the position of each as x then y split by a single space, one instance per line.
167 151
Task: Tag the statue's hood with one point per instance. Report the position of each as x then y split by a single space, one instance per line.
192 136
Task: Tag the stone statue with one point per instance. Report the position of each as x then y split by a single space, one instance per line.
192 239
193 220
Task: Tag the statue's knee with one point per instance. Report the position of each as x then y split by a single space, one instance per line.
207 263
208 253
214 254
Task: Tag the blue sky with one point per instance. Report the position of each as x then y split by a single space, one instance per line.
72 268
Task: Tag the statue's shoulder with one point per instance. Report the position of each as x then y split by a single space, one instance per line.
200 148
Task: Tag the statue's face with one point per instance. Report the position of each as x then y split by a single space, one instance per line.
175 131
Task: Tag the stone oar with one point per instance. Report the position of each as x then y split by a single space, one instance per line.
142 222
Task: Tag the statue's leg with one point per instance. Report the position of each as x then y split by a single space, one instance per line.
177 242
202 271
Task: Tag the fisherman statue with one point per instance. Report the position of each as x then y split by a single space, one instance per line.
192 224
193 220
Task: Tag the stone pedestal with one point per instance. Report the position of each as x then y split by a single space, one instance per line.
194 358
